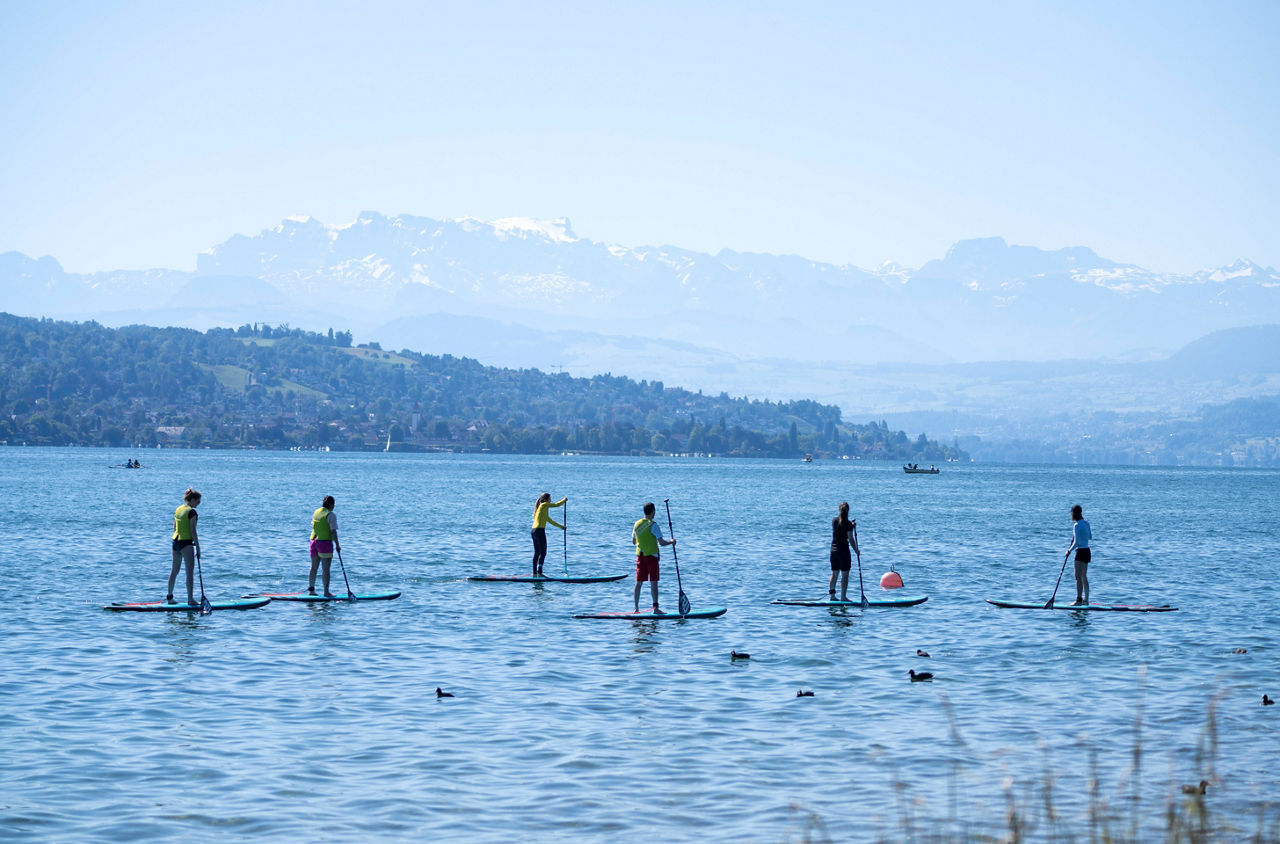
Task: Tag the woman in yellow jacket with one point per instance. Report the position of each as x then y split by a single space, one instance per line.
539 532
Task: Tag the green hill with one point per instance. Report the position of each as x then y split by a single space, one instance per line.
64 383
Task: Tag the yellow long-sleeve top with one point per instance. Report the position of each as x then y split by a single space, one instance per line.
541 517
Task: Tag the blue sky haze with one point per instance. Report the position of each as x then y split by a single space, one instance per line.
139 134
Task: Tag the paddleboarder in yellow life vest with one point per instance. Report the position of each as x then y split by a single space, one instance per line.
186 544
324 538
647 536
541 518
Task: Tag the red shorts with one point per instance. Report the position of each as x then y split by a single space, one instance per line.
646 569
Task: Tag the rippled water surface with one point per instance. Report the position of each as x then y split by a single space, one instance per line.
321 722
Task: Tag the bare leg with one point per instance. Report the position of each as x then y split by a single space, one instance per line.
653 588
327 559
173 572
636 596
844 585
188 556
1082 582
831 587
311 576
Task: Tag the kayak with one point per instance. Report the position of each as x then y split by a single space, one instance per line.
645 615
250 603
528 578
908 601
307 597
1018 605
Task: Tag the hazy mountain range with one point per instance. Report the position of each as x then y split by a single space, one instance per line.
889 341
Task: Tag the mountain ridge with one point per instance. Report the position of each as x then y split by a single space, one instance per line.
984 300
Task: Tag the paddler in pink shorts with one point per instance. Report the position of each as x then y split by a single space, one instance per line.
324 538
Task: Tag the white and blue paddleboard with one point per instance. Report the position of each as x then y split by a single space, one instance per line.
1067 605
904 601
648 615
251 603
307 597
529 578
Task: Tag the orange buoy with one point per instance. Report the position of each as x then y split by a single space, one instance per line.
891 580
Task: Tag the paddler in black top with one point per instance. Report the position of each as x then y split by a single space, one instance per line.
186 544
841 561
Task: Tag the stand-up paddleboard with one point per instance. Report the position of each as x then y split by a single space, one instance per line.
646 615
905 601
163 606
528 578
307 597
1066 605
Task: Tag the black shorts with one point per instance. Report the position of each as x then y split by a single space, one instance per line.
841 562
1082 555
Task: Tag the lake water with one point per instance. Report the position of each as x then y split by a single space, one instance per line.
321 722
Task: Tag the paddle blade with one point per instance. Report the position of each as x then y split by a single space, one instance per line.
685 606
205 606
351 597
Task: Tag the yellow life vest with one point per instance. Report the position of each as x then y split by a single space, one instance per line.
182 522
320 524
646 542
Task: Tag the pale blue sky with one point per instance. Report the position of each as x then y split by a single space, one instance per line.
136 135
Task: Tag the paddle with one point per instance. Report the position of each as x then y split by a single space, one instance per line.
351 596
205 606
861 591
1049 605
684 599
564 540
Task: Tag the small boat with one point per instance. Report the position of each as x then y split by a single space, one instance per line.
914 469
808 458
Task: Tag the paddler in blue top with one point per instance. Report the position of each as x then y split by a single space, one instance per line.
647 536
186 544
1081 535
541 518
324 538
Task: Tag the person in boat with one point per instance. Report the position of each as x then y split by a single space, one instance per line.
647 537
186 544
541 518
841 559
324 539
1081 535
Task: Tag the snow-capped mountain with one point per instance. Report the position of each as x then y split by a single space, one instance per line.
984 300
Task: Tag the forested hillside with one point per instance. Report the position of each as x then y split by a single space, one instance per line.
64 383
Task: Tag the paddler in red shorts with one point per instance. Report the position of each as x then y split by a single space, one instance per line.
647 536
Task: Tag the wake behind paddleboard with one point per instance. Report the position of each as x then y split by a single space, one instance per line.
162 606
307 597
1020 605
645 615
907 601
527 578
